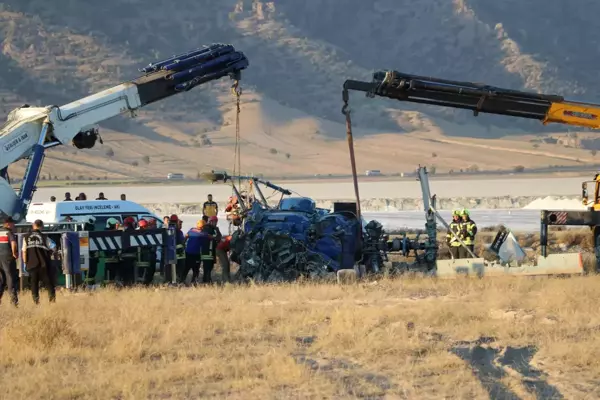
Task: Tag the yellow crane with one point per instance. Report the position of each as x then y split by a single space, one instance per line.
482 98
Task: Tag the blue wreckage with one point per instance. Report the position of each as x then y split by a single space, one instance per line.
295 240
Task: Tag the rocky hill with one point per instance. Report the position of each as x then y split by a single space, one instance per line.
300 54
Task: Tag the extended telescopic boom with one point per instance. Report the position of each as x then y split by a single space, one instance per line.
479 98
29 131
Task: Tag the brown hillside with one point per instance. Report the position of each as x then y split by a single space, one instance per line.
300 54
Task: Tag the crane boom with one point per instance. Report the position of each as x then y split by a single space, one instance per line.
479 98
29 131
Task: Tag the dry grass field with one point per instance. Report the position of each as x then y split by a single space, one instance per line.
411 338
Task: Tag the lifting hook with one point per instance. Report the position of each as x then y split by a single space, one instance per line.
236 89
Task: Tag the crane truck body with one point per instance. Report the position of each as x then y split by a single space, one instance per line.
482 98
29 131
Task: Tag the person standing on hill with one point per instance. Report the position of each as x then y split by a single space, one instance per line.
210 208
468 232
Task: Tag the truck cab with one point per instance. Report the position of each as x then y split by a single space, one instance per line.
101 210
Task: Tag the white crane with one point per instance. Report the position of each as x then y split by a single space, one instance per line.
29 131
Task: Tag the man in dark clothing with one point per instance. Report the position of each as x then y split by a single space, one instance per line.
68 197
8 258
174 223
101 196
123 197
37 249
209 248
53 199
179 243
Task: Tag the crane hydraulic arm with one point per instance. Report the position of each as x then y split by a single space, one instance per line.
477 97
29 131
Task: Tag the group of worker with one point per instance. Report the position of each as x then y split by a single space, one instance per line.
199 248
462 231
120 264
202 245
83 197
37 252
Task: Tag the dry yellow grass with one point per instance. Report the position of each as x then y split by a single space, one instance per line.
389 339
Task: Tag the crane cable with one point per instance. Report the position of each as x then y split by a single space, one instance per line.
236 90
237 158
346 111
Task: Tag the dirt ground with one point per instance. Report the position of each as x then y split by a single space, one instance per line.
410 338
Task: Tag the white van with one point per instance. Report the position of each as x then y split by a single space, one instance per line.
102 210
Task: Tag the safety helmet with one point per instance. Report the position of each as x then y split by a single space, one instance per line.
129 221
213 219
200 223
464 212
111 222
455 213
174 218
142 223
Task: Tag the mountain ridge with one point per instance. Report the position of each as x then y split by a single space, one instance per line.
300 54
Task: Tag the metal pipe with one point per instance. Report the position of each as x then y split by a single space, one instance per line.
239 197
32 174
260 193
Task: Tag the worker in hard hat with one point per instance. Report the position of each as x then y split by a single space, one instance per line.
145 262
193 250
453 234
209 254
468 232
175 222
